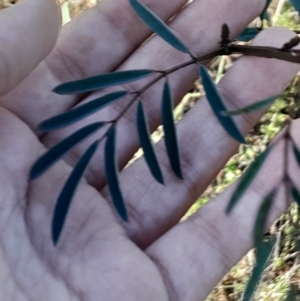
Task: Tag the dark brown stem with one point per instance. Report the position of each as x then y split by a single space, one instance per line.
260 51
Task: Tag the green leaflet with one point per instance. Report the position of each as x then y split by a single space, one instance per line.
298 240
264 14
67 194
247 179
101 81
251 108
57 151
296 195
111 172
262 258
261 219
296 4
217 106
292 293
248 34
80 112
170 131
296 153
157 25
146 144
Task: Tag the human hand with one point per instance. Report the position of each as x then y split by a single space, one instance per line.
98 257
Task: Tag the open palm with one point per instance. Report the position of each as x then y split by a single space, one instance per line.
98 257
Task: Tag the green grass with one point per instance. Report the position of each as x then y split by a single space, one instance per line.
286 20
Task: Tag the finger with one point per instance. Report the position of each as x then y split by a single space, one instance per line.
201 35
211 241
28 32
86 47
204 145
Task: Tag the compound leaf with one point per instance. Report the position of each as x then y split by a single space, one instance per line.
66 195
146 144
262 258
170 131
261 219
157 25
111 171
247 179
217 106
248 34
296 4
57 151
80 112
101 81
251 108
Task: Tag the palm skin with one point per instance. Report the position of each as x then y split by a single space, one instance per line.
98 257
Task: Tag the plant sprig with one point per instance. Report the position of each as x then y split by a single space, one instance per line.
226 47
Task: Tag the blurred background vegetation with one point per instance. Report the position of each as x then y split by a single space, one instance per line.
283 269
